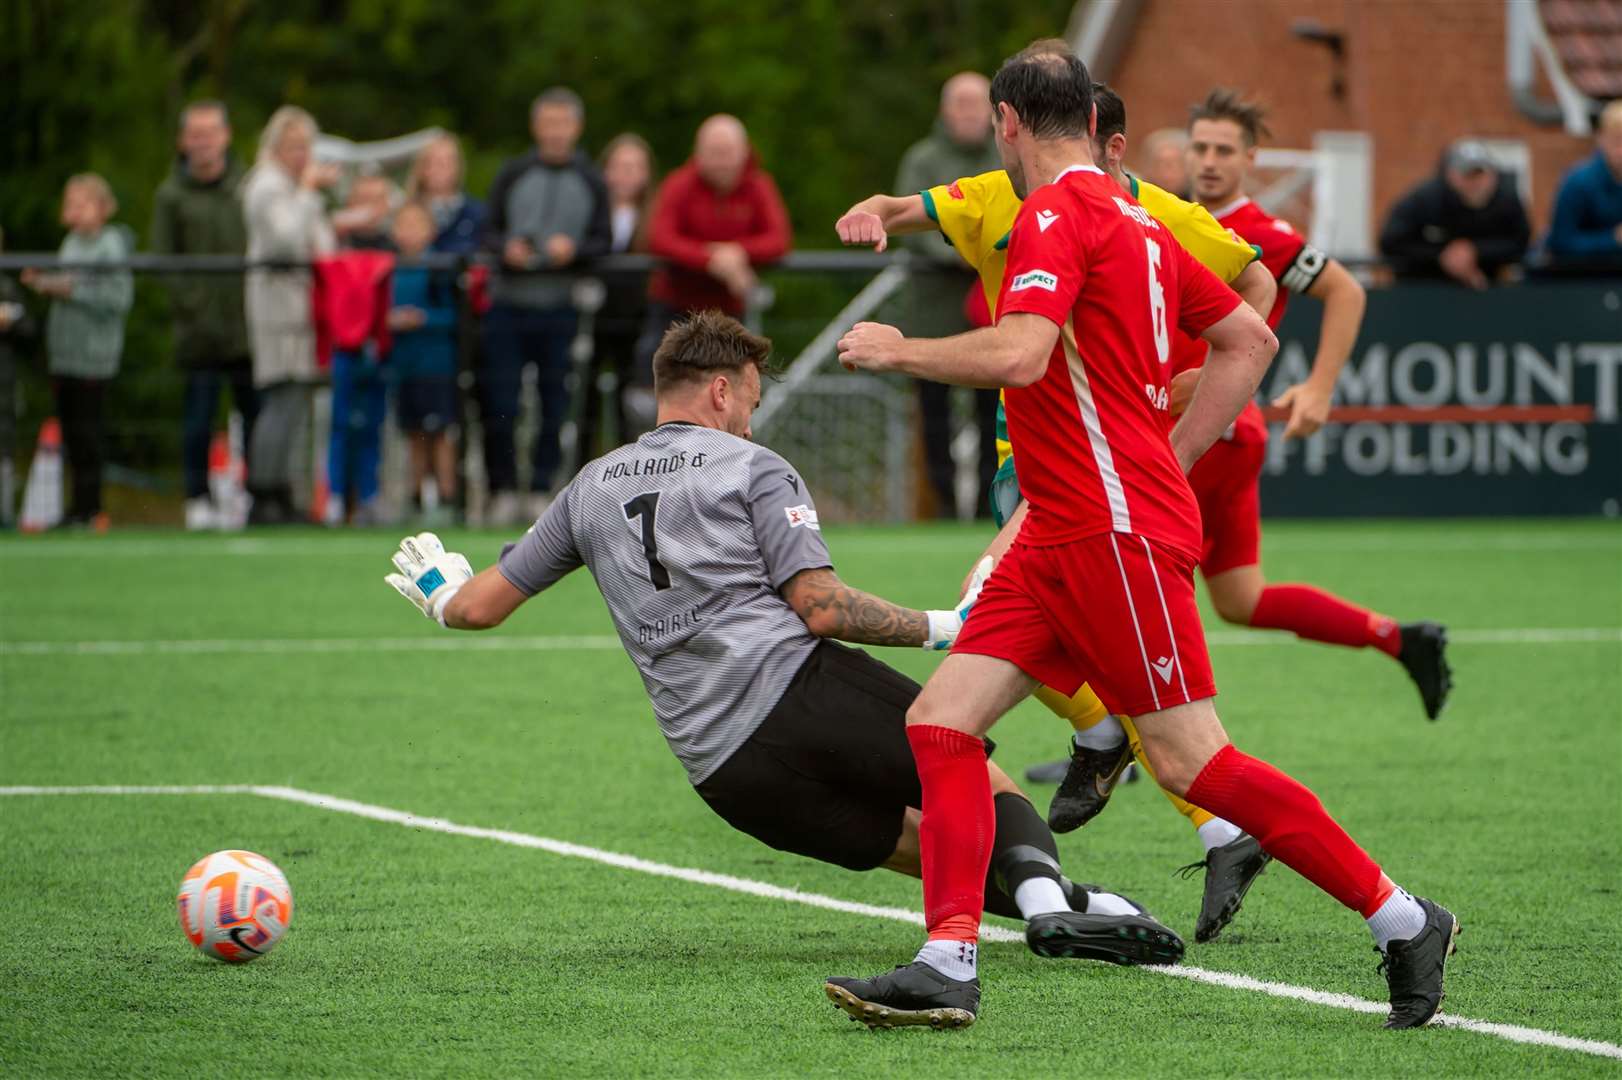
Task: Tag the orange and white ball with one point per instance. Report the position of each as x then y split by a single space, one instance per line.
235 905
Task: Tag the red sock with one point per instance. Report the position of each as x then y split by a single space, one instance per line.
956 830
1319 616
1292 826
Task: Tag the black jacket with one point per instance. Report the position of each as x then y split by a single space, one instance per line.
1432 214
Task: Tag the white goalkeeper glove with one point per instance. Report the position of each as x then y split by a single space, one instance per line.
944 626
429 575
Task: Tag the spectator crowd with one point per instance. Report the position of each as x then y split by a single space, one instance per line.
365 313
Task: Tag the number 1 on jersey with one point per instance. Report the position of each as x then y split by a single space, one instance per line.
646 507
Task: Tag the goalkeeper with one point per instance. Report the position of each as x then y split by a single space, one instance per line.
708 552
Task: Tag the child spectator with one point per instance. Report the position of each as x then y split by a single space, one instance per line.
422 323
84 333
363 223
436 182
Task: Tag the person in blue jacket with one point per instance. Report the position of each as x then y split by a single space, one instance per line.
1587 226
422 322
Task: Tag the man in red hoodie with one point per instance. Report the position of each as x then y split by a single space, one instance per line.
715 219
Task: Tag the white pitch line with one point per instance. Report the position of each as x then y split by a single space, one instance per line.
432 643
1577 635
1510 1032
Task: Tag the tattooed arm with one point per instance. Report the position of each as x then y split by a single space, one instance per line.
832 609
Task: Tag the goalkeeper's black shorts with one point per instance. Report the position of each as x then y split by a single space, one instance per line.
829 773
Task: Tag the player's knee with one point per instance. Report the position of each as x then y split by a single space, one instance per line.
1235 605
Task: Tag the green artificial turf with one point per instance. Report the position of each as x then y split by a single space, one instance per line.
417 953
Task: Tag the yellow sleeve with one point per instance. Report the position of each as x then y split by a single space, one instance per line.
1214 247
959 210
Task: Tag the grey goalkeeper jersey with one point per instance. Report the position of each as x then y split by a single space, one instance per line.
689 533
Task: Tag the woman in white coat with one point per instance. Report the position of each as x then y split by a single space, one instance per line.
286 219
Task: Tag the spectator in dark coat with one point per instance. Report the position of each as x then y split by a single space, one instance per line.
17 331
547 210
197 212
1587 227
932 303
716 219
628 172
1466 222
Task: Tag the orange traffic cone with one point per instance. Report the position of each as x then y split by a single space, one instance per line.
42 495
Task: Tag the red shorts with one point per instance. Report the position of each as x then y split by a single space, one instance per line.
1227 482
1115 611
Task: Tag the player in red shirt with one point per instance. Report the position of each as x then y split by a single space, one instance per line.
1093 291
1222 147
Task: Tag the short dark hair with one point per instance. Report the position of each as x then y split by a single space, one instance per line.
1111 112
1225 104
206 105
1049 87
558 95
704 344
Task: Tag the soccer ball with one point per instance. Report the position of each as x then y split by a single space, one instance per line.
235 905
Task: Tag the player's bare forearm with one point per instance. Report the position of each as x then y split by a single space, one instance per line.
484 602
871 222
1241 348
1013 353
902 214
1343 300
1257 287
832 609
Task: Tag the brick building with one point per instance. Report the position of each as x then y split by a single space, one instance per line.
1413 74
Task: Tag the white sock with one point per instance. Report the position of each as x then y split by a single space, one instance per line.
1107 903
954 959
1399 919
1216 832
1107 734
1039 896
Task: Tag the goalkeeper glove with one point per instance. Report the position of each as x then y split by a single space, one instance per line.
429 575
944 626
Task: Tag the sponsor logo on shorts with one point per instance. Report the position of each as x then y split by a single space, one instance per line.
1163 669
802 515
1035 279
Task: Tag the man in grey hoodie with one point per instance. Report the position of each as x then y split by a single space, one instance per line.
547 210
959 146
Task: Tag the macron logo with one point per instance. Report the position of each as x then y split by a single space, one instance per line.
1044 218
1163 669
1035 279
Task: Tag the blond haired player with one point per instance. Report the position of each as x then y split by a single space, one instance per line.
975 215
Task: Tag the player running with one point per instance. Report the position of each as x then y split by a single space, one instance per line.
974 215
1223 133
1094 288
708 552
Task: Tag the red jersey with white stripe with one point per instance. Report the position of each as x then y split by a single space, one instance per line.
1092 432
1295 263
